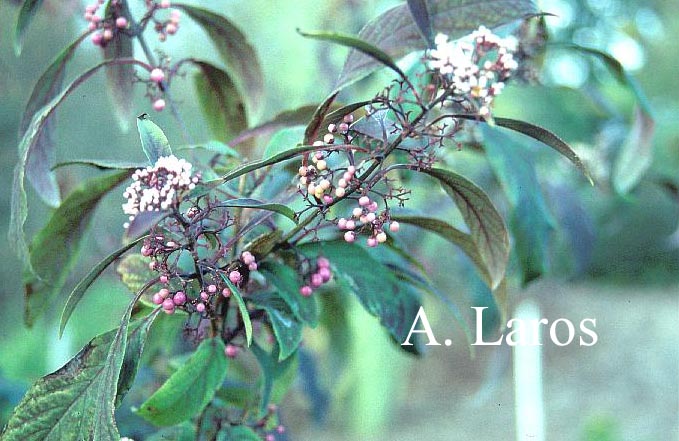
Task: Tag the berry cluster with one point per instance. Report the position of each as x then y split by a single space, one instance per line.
322 275
365 219
107 26
475 69
158 187
168 26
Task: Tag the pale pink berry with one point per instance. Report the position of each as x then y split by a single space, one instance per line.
340 192
370 217
164 4
325 274
373 207
200 307
121 22
347 176
235 277
324 184
349 236
306 290
175 15
253 266
91 9
91 26
270 437
159 104
97 39
157 299
317 143
204 295
280 428
163 279
316 280
171 28
145 251
318 155
179 298
157 75
302 171
351 224
247 257
168 304
351 169
108 35
381 237
231 351
164 293
212 289
321 164
342 223
329 138
153 265
323 262
226 292
357 212
372 242
394 227
363 201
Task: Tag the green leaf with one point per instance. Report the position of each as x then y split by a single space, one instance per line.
285 280
245 315
238 433
452 235
77 402
635 155
286 328
238 55
82 286
358 45
121 77
181 432
284 140
396 33
153 140
379 291
187 392
277 376
487 229
102 164
28 144
222 104
38 169
419 10
26 14
259 205
55 248
531 222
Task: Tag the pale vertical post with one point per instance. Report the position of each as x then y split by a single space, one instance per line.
528 398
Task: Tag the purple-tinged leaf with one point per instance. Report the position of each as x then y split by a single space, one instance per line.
120 77
317 119
143 222
420 13
26 14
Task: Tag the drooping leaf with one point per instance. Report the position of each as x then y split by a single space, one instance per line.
420 13
55 248
222 103
635 155
452 235
286 327
245 315
187 392
238 55
284 280
254 203
396 33
277 376
357 44
153 140
379 291
120 77
82 286
486 227
181 432
101 164
39 168
77 402
531 221
29 142
26 14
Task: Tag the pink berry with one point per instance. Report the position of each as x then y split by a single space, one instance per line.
157 299
235 277
200 307
302 171
351 224
323 262
247 257
316 280
212 289
373 207
226 292
363 201
159 104
108 35
349 236
97 39
171 28
381 237
342 224
325 274
157 75
357 212
168 304
394 227
153 265
280 429
252 266
163 279
91 26
121 22
179 298
306 290
370 217
327 199
372 242
164 293
91 9
164 4
347 176
204 295
175 15
270 437
231 351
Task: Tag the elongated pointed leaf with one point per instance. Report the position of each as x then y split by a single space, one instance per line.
77 402
486 227
82 286
420 12
187 392
245 315
102 164
153 140
286 327
56 247
317 119
396 33
357 44
220 100
39 168
19 205
120 76
26 14
531 222
259 205
238 55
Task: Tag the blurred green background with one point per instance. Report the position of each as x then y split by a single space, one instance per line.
614 258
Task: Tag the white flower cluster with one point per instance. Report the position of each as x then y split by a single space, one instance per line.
156 187
477 65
